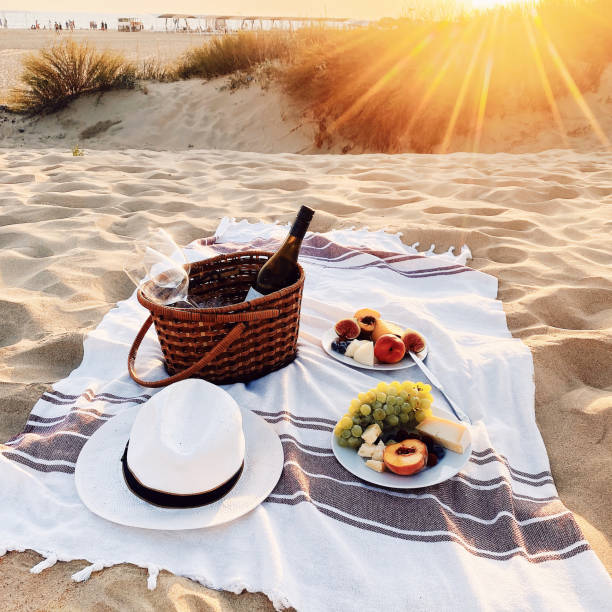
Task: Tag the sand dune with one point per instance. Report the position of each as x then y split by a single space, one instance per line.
537 222
206 115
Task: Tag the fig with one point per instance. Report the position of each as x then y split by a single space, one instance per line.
347 329
413 341
366 317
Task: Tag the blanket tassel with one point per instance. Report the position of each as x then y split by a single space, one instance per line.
49 561
152 579
86 572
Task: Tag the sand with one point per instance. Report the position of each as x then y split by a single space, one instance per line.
537 222
540 222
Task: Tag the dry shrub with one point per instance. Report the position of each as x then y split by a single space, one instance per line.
155 70
240 51
55 76
411 85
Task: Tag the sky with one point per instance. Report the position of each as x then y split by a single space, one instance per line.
364 9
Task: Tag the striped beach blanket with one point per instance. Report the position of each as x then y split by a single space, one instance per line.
494 537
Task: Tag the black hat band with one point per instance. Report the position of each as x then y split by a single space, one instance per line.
173 500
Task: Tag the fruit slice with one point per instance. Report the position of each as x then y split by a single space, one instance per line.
348 329
352 347
407 457
413 341
386 327
389 349
365 353
366 317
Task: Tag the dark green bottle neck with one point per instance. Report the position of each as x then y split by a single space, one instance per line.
298 229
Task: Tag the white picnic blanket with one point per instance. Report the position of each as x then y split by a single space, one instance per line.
495 537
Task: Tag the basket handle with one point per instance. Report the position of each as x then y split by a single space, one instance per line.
206 359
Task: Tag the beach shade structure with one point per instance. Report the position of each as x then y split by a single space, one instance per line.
130 24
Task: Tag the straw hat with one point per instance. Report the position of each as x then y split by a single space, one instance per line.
187 458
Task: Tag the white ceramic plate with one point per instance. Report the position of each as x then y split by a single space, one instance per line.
101 487
330 335
447 467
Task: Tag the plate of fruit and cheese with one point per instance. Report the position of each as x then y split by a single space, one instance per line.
368 341
392 436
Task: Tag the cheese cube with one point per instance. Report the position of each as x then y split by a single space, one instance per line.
366 450
377 466
371 433
450 434
377 455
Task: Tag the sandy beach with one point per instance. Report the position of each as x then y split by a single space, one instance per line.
535 216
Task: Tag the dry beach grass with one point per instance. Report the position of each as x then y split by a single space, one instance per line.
400 85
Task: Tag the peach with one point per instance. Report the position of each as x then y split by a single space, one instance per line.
407 457
389 349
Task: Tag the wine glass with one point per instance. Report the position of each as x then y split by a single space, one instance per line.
162 276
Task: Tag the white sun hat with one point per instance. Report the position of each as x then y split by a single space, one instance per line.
187 458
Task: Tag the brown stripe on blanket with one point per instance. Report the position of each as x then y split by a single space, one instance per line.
40 467
504 461
332 253
490 520
90 393
545 555
47 397
492 481
56 446
75 422
89 414
301 467
295 417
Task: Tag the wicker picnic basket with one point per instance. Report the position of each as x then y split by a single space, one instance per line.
235 342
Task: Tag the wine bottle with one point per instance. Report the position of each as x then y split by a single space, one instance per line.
281 270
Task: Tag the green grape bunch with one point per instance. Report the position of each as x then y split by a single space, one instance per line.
390 405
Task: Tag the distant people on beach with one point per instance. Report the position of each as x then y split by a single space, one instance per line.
5 23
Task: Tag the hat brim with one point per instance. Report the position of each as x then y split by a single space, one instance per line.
102 488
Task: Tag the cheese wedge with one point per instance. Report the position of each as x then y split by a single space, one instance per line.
366 450
377 466
450 434
371 433
378 453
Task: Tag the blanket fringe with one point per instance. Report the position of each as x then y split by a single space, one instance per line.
152 579
49 561
86 572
